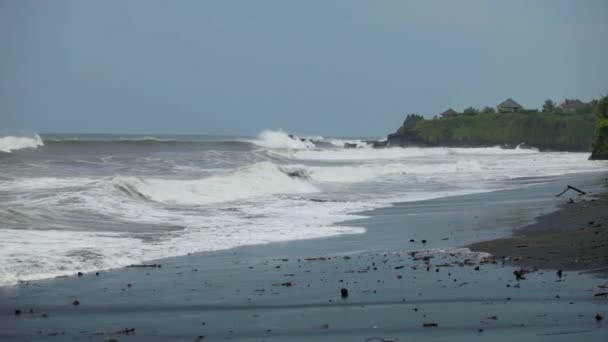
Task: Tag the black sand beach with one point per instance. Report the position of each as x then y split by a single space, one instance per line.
406 279
575 237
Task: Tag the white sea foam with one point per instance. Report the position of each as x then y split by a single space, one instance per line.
260 179
281 140
12 143
395 153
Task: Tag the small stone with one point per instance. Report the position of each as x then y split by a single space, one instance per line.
75 302
423 241
599 317
344 292
17 312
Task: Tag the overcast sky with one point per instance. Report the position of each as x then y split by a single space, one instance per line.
344 68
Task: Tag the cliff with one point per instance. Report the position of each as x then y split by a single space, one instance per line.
546 131
600 144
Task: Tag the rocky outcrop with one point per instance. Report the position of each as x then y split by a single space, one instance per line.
600 144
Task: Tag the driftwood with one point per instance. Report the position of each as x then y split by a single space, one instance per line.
573 188
146 265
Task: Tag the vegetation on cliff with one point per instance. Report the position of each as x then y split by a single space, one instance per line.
554 130
600 144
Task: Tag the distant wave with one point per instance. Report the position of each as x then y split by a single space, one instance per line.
11 143
282 140
143 142
394 153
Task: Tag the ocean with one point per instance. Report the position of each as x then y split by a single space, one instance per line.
71 203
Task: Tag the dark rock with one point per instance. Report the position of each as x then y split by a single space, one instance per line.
519 274
431 324
423 241
126 331
80 274
17 312
599 317
75 302
344 292
559 274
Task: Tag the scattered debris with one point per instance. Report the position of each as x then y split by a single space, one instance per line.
573 188
288 284
520 274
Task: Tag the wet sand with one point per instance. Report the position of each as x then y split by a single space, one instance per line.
407 279
573 238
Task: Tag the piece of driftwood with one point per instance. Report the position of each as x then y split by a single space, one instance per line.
146 265
573 188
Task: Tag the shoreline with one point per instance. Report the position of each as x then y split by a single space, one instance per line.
406 278
574 237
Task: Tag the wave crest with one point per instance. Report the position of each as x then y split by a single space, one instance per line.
256 180
11 143
282 140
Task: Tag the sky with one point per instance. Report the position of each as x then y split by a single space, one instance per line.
336 68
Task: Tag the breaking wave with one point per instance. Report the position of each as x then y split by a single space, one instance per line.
281 140
11 143
256 180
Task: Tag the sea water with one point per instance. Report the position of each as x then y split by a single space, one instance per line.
72 203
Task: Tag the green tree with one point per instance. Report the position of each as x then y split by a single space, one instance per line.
600 144
470 110
548 106
488 110
411 119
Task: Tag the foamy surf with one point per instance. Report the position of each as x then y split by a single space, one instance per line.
257 180
100 202
11 143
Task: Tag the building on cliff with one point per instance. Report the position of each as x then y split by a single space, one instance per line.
573 105
448 113
509 106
